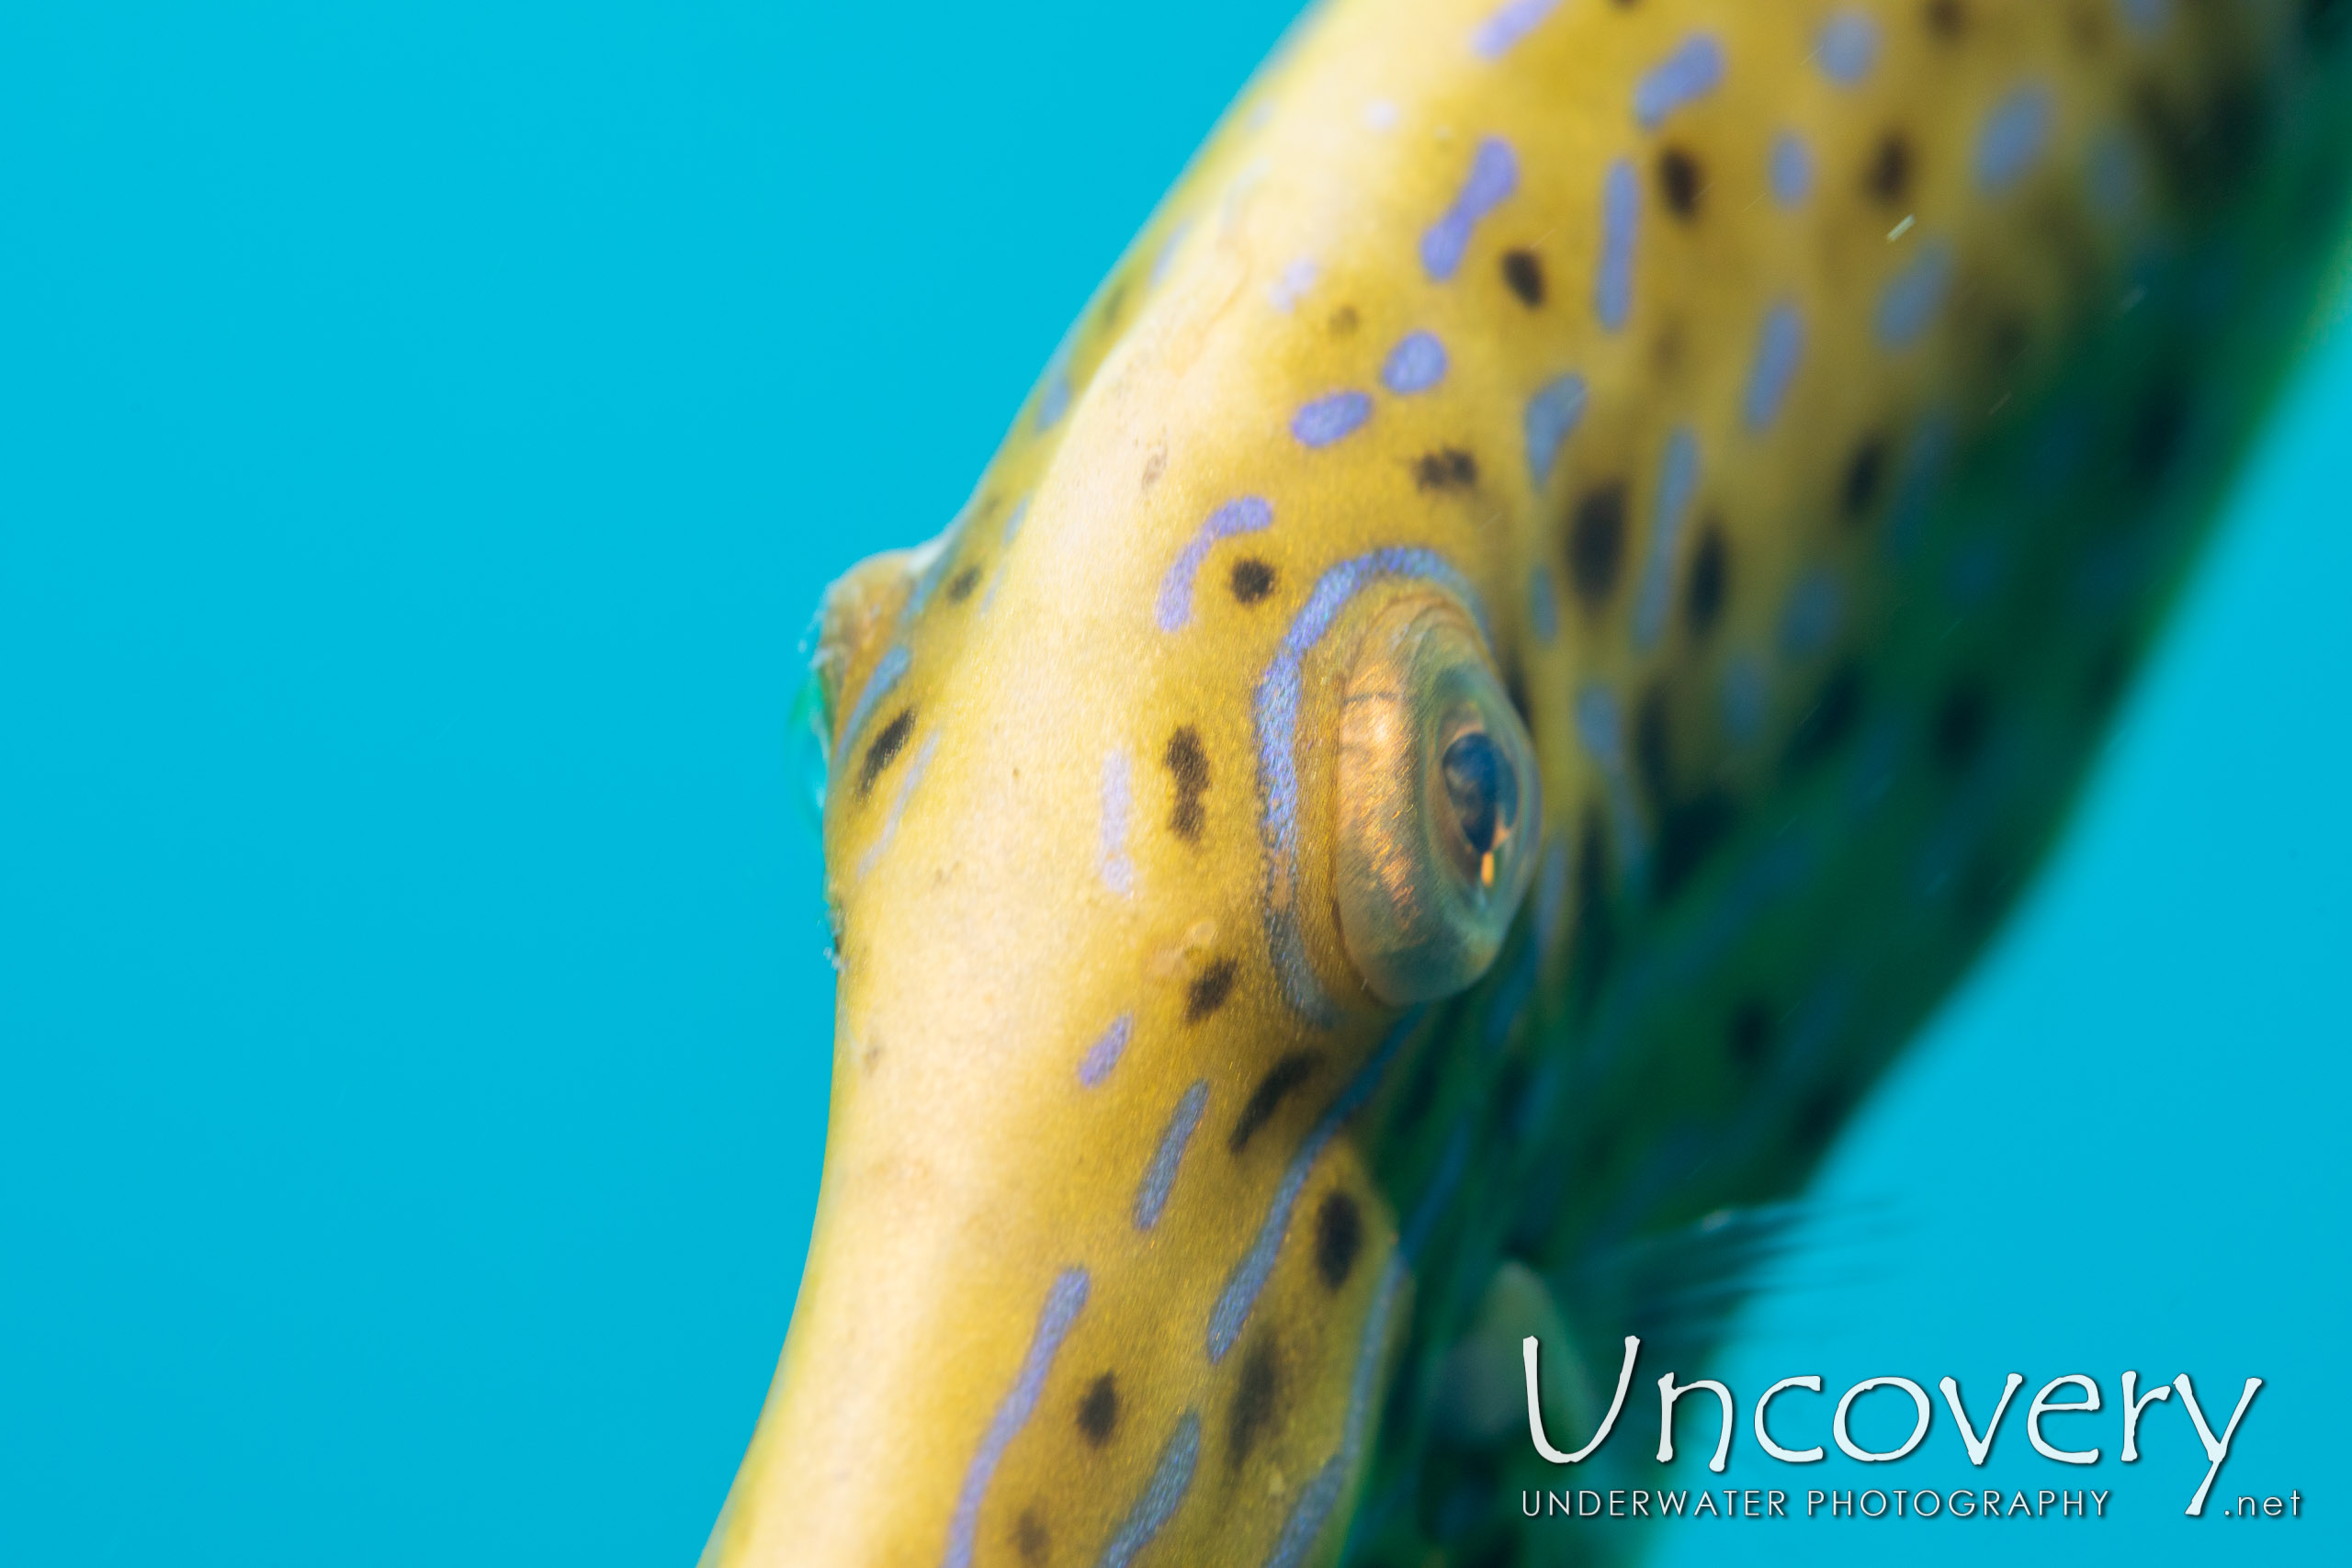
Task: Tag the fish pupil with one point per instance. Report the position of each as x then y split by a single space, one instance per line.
1479 787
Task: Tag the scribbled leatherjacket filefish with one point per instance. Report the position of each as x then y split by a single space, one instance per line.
1521 641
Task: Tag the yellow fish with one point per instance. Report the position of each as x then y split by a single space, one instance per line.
1520 644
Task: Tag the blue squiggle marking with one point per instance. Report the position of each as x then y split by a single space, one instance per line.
1601 730
1494 174
2147 16
1118 867
1248 1280
1104 1053
1330 419
1551 894
1689 74
1778 347
1543 604
1677 482
1053 402
1320 1497
1503 28
1744 699
1162 1494
1415 365
1063 1304
1846 48
1620 211
2012 138
888 670
1247 515
1912 297
1790 169
1809 620
899 804
1159 1176
1552 415
1274 714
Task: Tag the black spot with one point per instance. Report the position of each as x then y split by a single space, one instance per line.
1710 582
1281 1078
1339 1234
1098 1412
1749 1034
1830 720
1595 937
885 749
1209 988
1448 467
1501 1552
1962 720
1677 182
1029 1537
1890 172
1597 542
1252 580
1817 1119
1947 18
2203 151
1653 737
1344 320
2323 20
1523 270
960 586
1864 471
1688 831
1253 1403
1188 765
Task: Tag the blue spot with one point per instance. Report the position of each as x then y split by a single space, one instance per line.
1494 174
2113 175
2013 137
1159 1177
1848 48
1019 514
1792 169
1248 1281
1912 297
888 670
1914 493
1415 365
1600 728
1551 894
1506 26
913 777
1104 1053
1688 74
1621 208
1053 402
1543 608
1327 420
1168 248
1809 621
1119 868
1552 414
1778 347
1295 280
1744 699
1063 1304
1677 482
1247 515
1274 708
1171 1479
2146 16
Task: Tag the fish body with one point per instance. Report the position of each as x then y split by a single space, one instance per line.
1521 643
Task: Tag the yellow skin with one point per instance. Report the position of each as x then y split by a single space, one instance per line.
1799 734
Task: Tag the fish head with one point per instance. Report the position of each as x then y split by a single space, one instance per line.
1168 787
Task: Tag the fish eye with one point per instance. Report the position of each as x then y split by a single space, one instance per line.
1439 805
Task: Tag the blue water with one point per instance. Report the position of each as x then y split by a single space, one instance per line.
424 430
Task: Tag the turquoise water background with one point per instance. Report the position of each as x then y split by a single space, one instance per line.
424 431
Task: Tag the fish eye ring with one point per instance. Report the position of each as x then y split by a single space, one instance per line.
1439 805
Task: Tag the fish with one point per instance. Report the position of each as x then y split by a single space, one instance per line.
1524 638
